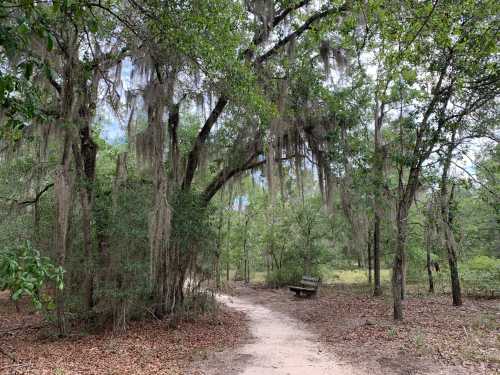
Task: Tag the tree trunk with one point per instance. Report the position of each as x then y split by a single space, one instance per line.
63 179
398 265
377 289
369 251
163 255
452 261
428 245
455 280
447 219
403 273
429 266
85 169
245 253
378 168
63 188
228 265
218 251
87 245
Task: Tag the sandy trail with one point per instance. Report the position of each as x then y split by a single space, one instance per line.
281 346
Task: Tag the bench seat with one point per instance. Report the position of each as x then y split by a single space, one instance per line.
308 286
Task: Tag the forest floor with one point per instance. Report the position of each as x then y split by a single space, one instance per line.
280 345
435 337
270 331
147 347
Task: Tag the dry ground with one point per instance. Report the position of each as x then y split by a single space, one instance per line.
435 338
146 348
280 345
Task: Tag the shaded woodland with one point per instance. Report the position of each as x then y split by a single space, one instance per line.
152 152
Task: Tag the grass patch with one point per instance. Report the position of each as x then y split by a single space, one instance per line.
330 276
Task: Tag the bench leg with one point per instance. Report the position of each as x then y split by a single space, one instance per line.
297 293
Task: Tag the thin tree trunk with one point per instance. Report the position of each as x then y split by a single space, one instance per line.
377 289
428 245
369 251
378 168
403 273
398 267
446 216
245 252
228 265
218 281
429 269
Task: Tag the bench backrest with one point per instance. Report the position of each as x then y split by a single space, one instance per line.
312 282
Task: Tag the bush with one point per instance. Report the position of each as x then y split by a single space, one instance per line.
481 275
284 276
24 273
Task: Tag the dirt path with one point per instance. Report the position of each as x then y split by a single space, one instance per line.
280 346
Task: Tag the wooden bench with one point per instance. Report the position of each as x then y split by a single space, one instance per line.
308 286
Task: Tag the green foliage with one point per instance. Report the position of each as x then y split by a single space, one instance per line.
122 258
394 52
191 228
481 275
24 272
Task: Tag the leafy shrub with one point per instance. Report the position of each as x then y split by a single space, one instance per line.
481 275
24 272
291 274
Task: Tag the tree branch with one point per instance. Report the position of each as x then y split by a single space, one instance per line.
259 38
29 201
193 158
37 197
305 26
473 178
226 174
194 155
229 172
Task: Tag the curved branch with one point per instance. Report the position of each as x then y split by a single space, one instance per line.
29 201
37 197
305 26
229 172
194 155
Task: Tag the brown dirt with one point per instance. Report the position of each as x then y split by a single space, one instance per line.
351 331
146 347
280 346
435 338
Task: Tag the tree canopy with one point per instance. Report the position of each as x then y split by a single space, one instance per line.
288 137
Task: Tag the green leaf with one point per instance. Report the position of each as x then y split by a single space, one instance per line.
17 294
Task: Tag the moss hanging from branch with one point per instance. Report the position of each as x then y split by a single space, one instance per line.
264 11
